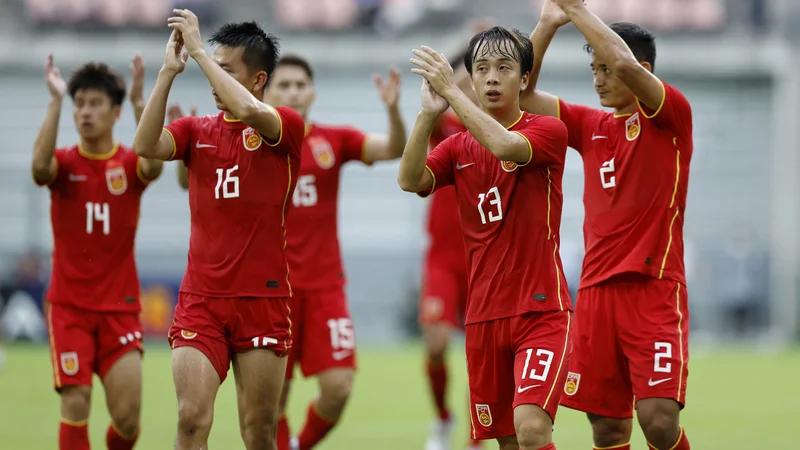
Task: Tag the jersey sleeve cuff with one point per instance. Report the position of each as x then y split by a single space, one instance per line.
530 150
364 151
280 131
140 174
174 146
427 192
644 108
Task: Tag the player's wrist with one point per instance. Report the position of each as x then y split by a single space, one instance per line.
428 116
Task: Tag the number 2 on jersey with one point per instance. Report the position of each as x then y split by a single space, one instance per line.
608 168
494 202
229 184
97 212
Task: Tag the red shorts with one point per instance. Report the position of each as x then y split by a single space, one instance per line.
515 361
221 327
444 293
323 332
631 342
85 342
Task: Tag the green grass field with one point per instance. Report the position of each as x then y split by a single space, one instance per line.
737 400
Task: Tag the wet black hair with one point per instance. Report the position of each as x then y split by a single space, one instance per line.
638 38
261 50
507 42
97 75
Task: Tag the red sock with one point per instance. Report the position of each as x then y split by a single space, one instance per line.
615 447
474 445
116 441
283 434
73 435
314 430
681 444
437 378
550 446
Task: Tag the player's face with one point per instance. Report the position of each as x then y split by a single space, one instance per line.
93 113
230 60
290 86
612 91
496 78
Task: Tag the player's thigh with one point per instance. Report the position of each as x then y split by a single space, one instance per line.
196 384
197 324
490 370
442 294
119 350
123 385
329 339
597 380
259 384
542 348
654 332
72 345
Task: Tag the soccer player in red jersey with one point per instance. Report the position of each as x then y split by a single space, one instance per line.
93 299
242 167
507 172
632 316
324 340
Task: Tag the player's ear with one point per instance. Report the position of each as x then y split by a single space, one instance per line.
524 84
260 81
116 111
646 65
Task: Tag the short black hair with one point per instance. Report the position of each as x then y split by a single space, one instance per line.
261 49
638 38
508 42
297 61
97 75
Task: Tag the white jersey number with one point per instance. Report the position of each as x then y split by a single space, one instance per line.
663 350
97 212
544 363
607 177
229 185
305 193
342 335
494 203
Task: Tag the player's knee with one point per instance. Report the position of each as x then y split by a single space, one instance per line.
659 419
336 387
126 418
436 339
533 426
194 418
608 432
258 427
76 402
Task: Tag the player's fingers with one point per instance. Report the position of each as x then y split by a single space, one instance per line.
184 56
57 72
378 80
193 111
421 64
424 73
433 53
394 74
427 57
48 62
182 12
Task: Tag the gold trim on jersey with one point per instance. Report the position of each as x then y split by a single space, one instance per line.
51 332
680 340
139 172
364 150
530 149
672 204
558 109
283 219
107 155
660 105
280 131
612 447
521 114
225 118
174 144
561 363
433 185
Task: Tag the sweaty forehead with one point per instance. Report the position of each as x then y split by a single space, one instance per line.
595 60
228 55
496 50
90 94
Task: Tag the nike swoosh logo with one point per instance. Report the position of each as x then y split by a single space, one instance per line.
73 177
199 145
338 356
459 166
651 383
596 137
523 389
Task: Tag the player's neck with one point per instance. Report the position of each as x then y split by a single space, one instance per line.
627 110
98 146
507 117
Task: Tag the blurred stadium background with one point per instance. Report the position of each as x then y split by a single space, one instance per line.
736 60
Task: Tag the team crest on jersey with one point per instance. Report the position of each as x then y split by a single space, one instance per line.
251 139
186 334
509 166
633 126
484 415
573 381
116 180
69 363
323 152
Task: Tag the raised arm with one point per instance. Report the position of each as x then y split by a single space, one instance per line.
382 147
614 52
150 168
43 165
151 140
505 145
533 100
413 176
239 101
174 112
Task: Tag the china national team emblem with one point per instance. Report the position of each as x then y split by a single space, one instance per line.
186 334
633 127
573 381
116 180
323 152
251 139
484 415
509 166
69 363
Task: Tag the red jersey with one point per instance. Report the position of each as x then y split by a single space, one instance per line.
444 225
239 187
94 211
510 219
312 236
636 174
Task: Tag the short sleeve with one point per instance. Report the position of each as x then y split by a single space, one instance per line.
353 144
181 133
57 179
547 141
577 118
440 165
673 113
290 137
133 162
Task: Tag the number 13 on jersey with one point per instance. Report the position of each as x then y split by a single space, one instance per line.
494 208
